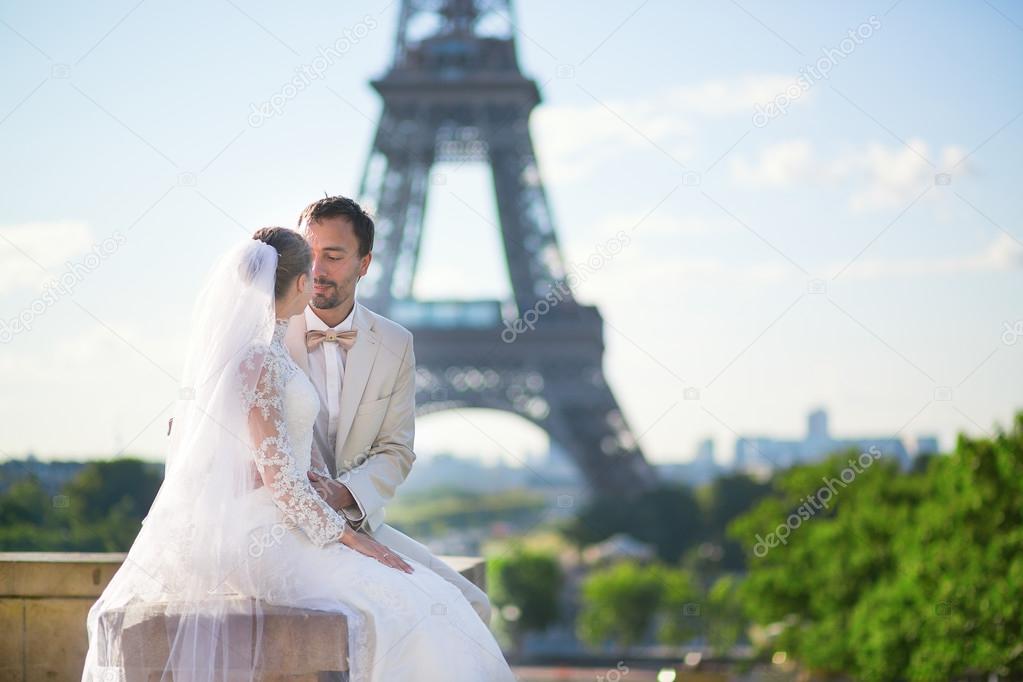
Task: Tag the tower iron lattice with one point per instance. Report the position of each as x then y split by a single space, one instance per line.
455 93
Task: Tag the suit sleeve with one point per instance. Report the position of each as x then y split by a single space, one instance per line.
385 465
353 513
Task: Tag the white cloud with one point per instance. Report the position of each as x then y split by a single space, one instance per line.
778 165
575 140
892 176
1002 253
889 176
661 222
648 271
649 274
24 247
880 176
647 266
720 97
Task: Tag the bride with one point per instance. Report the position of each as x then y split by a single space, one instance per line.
236 523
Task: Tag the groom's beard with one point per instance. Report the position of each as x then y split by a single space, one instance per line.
329 298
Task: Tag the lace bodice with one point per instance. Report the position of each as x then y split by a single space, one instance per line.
282 406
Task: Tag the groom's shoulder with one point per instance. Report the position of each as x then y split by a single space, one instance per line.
391 333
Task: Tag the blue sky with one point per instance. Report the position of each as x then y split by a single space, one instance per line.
126 127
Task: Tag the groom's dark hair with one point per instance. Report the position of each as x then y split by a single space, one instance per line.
341 207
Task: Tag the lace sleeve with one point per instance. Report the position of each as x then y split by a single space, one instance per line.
265 375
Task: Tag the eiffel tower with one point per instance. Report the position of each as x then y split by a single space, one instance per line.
454 93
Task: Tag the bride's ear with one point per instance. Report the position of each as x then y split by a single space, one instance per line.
302 282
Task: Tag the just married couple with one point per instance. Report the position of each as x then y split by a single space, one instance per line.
293 430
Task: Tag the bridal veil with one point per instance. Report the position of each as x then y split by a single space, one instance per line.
189 546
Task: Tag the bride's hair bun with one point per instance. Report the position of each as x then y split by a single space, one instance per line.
294 256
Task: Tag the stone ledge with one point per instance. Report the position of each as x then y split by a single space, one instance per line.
56 574
292 642
45 598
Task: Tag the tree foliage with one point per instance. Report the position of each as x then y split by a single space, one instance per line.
100 510
913 576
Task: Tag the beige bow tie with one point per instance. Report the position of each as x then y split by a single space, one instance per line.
344 339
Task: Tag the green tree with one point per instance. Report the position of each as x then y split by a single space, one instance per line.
100 510
814 575
667 518
721 501
25 502
28 521
953 603
679 608
619 603
913 575
126 485
723 615
526 583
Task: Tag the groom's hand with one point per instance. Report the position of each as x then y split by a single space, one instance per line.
337 495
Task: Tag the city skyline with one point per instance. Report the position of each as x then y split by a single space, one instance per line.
816 443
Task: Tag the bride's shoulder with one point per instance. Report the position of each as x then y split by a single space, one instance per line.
253 356
261 360
263 372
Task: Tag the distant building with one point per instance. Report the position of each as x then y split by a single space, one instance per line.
927 445
760 453
703 468
554 471
52 476
618 547
817 425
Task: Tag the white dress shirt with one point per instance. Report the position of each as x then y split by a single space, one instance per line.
327 370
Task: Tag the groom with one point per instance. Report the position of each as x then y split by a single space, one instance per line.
363 368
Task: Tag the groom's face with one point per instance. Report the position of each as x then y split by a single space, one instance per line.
337 266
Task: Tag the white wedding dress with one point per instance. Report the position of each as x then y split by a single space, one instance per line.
401 626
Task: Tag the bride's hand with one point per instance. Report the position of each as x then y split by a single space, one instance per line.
364 544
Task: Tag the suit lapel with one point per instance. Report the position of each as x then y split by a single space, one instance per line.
358 365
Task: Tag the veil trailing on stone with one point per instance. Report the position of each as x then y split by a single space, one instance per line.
170 607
